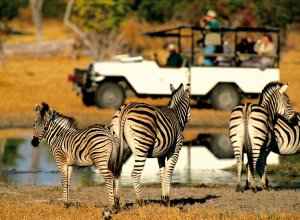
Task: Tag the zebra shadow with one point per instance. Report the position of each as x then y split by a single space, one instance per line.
174 202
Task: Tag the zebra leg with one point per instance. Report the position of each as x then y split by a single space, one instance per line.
138 167
117 205
261 169
162 165
66 172
252 180
109 182
171 162
249 177
239 165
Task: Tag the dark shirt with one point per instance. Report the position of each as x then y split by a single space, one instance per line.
174 60
245 47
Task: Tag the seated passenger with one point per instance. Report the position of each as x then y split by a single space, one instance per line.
246 45
174 59
265 48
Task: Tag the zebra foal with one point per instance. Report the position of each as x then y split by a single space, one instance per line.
153 132
251 130
95 145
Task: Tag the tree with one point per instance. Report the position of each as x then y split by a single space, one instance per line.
95 22
8 10
36 8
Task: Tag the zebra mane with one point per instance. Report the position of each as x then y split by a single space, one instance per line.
45 108
71 122
268 87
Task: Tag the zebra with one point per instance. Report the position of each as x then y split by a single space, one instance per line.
153 132
95 145
287 136
251 130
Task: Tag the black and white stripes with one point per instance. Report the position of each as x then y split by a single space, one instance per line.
95 145
149 131
287 136
251 130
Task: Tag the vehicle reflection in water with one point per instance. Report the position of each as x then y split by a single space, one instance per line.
20 163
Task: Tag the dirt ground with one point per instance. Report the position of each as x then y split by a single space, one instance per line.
41 202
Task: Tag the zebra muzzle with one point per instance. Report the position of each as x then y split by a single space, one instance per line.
35 142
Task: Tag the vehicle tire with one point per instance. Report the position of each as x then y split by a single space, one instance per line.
109 95
225 97
88 99
220 146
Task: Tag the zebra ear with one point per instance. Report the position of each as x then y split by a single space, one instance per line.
36 108
172 88
283 88
50 112
188 88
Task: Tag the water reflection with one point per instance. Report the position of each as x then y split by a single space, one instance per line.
20 163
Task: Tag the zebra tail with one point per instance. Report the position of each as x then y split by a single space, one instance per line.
113 162
118 153
248 143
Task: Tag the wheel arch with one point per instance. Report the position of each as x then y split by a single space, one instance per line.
121 80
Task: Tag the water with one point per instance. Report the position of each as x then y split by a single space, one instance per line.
20 163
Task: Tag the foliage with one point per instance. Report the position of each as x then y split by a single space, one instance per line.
9 9
54 8
278 12
99 15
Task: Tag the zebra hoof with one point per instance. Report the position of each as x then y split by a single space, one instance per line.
107 213
117 205
247 187
254 189
239 188
140 202
165 200
68 204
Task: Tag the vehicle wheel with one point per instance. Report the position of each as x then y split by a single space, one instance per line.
109 95
88 99
225 97
220 146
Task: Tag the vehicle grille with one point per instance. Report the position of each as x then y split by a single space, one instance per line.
80 76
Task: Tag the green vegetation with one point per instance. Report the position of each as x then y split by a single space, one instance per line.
99 15
289 167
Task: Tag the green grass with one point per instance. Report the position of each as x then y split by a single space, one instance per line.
289 166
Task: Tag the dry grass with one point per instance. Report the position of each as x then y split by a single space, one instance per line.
40 202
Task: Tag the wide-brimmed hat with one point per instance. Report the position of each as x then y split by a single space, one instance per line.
211 13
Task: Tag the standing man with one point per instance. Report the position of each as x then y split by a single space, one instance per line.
212 40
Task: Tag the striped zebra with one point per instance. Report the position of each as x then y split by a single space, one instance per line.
251 130
95 145
153 132
287 136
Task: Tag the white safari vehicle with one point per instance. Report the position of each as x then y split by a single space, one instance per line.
222 86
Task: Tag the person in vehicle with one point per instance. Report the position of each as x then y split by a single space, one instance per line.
211 40
265 48
174 59
246 45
